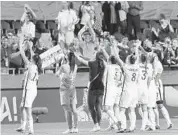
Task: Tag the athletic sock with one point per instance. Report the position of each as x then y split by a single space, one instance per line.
30 125
166 115
156 116
144 119
23 124
132 120
151 118
123 120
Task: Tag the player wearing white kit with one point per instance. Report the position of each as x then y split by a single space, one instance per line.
143 85
158 69
129 94
29 94
67 75
113 88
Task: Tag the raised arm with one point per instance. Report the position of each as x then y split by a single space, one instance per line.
105 53
85 62
22 52
121 63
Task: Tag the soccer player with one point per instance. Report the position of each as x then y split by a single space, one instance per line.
159 100
67 74
144 72
113 88
33 64
96 87
129 93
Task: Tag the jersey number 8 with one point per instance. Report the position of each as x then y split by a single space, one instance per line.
133 77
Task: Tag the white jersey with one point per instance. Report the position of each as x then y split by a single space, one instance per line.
158 68
131 76
145 71
114 76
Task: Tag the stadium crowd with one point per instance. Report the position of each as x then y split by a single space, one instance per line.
95 24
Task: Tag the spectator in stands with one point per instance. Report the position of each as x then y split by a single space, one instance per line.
87 46
87 19
113 18
165 30
28 27
106 15
133 18
98 16
67 19
38 48
4 57
123 16
175 49
168 52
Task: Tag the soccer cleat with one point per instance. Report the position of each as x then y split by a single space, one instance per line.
150 129
118 125
31 133
130 131
20 130
157 127
68 131
96 129
170 126
75 130
122 131
111 128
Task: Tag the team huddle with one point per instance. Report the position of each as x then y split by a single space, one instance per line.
113 87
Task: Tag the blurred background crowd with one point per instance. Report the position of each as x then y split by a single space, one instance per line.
97 24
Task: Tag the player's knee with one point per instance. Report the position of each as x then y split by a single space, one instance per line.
160 106
106 108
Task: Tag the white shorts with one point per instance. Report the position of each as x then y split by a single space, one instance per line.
67 38
143 95
129 98
68 96
152 94
112 97
29 94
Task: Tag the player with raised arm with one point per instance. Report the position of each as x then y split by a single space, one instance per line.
67 74
29 94
96 87
145 70
129 93
158 69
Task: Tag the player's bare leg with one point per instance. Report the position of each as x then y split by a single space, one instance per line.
68 115
75 118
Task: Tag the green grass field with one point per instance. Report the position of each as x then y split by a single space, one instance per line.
85 127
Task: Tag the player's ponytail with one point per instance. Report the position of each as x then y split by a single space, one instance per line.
38 62
71 58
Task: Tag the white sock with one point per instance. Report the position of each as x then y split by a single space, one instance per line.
132 120
151 118
144 119
111 114
30 125
23 124
156 116
166 115
123 120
